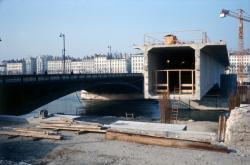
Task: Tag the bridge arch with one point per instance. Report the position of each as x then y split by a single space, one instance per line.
20 97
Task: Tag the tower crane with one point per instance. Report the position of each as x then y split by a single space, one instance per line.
241 17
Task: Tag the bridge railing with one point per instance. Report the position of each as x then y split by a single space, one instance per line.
60 77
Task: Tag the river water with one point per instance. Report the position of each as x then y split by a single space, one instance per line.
142 109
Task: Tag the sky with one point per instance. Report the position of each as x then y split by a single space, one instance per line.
32 27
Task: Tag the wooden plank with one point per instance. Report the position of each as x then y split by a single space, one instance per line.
73 122
71 128
143 139
28 134
167 81
186 85
186 91
92 131
161 85
179 82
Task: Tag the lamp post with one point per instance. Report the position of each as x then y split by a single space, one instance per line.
63 51
110 57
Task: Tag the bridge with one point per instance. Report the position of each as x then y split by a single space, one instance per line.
21 94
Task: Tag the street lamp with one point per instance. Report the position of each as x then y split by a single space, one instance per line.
109 47
63 51
110 57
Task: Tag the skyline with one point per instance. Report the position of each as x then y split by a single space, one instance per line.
32 28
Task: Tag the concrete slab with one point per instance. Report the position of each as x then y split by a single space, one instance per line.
145 126
173 131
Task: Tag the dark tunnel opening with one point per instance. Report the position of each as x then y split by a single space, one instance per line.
172 69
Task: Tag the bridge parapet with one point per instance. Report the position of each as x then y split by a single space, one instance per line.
9 79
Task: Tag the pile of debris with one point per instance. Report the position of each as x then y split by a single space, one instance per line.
71 125
238 129
48 128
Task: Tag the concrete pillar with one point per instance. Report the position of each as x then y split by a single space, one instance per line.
146 79
197 73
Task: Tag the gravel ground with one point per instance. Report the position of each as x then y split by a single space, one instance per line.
94 149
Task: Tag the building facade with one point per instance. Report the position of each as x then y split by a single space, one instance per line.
15 67
41 64
94 64
56 66
117 66
137 63
235 60
101 64
30 65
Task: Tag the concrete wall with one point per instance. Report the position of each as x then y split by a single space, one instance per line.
210 72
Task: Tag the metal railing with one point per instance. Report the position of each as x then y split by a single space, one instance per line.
4 79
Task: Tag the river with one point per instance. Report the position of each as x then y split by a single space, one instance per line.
142 109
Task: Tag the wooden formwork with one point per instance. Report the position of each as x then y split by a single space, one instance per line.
161 141
183 88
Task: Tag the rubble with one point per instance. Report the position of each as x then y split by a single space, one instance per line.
238 130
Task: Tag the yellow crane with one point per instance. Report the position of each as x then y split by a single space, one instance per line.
239 14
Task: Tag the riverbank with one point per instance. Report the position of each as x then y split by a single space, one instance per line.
93 148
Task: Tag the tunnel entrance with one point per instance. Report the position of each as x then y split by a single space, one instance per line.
172 70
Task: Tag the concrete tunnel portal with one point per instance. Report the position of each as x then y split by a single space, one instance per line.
172 68
186 70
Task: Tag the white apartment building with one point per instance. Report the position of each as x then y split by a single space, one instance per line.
235 60
83 66
88 65
41 64
15 67
117 65
101 64
76 67
30 65
56 66
114 65
137 63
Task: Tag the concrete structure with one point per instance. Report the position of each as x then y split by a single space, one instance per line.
30 65
15 67
137 63
23 93
188 70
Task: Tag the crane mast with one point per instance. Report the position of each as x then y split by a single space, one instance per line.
240 16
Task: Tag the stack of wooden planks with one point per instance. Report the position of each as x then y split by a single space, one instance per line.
169 135
30 132
71 125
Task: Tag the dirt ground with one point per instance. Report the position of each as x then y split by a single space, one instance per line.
94 149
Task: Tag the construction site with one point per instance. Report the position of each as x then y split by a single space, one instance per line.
179 74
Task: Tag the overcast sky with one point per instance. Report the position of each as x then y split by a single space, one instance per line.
32 27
